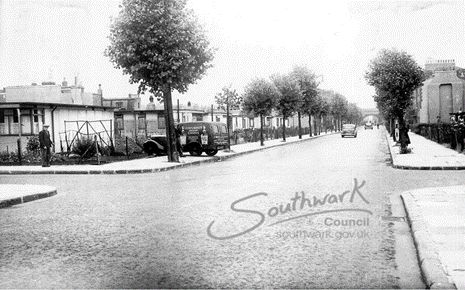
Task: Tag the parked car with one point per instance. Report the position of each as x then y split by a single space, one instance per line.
156 145
199 137
349 130
368 125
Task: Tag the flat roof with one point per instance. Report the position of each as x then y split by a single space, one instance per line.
23 104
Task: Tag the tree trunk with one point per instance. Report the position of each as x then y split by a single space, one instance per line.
262 143
403 134
284 128
169 120
310 124
300 125
228 124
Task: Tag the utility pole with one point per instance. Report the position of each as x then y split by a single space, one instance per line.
212 113
178 113
227 122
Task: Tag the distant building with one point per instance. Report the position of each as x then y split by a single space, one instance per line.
24 109
442 93
138 124
132 102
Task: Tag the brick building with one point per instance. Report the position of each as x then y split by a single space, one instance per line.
442 93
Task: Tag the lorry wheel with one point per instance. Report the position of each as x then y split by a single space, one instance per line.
150 149
195 150
211 152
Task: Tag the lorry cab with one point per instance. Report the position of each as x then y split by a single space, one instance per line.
199 137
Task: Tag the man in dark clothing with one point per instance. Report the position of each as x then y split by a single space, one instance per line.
45 144
178 133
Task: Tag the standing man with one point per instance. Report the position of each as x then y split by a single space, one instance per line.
45 145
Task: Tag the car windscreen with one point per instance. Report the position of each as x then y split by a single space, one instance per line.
348 126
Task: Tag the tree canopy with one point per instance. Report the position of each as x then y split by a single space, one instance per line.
260 97
228 95
308 84
289 94
159 43
395 76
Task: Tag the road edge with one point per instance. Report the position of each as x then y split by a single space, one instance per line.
27 198
432 269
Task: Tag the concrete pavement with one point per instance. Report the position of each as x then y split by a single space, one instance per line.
437 219
151 164
13 194
436 215
426 155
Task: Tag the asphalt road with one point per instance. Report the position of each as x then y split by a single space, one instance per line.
307 215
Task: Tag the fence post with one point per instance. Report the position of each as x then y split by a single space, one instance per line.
96 149
127 149
19 151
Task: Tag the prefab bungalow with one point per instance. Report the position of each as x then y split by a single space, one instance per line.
21 120
68 110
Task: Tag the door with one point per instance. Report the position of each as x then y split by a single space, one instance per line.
445 102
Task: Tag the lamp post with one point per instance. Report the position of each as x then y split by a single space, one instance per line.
227 123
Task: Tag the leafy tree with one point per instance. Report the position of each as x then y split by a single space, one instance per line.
339 107
260 98
354 114
395 76
161 46
322 108
308 84
289 97
226 100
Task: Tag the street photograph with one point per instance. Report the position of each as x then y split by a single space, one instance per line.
201 144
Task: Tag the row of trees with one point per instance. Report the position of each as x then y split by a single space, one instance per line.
289 94
161 46
297 93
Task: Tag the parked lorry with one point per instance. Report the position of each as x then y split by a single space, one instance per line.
194 137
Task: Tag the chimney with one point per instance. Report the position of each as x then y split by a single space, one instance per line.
99 91
64 83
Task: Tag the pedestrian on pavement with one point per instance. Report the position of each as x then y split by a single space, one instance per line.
45 145
178 132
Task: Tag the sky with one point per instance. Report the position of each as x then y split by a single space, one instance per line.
49 40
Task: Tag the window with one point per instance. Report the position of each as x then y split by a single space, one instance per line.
215 129
243 123
141 122
161 121
36 116
15 116
2 117
119 122
223 129
251 122
119 104
218 119
268 121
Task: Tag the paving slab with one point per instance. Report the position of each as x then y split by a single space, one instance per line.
13 194
425 155
442 211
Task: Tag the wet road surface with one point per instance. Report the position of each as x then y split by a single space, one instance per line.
307 215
